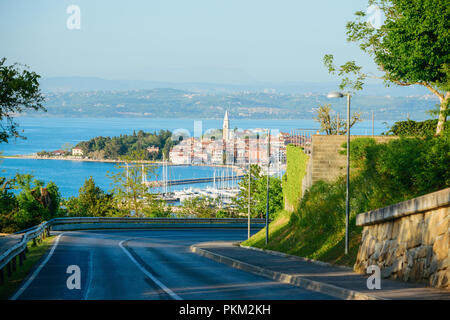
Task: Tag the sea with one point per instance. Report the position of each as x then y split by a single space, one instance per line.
49 133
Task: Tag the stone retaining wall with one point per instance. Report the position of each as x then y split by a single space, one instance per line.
409 241
326 162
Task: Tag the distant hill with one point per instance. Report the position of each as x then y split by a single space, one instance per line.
177 103
85 84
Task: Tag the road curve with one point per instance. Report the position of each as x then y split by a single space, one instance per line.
153 265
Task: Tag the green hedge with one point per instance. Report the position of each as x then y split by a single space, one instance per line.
297 162
413 128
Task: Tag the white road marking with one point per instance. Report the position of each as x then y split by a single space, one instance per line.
148 274
36 272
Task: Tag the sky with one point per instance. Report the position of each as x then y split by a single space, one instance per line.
217 41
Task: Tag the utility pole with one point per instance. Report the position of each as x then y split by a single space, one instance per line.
267 195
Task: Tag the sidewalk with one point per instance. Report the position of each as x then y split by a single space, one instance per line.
339 282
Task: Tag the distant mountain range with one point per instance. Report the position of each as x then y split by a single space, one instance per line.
87 84
265 104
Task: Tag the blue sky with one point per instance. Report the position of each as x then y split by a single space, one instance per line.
232 41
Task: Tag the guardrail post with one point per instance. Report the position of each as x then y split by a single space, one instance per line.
14 263
8 269
34 242
20 258
2 276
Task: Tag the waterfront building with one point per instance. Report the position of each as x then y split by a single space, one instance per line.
77 152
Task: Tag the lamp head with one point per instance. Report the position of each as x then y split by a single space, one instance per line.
335 95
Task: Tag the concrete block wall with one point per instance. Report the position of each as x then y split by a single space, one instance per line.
409 241
326 162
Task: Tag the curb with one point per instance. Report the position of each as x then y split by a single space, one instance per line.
298 281
285 255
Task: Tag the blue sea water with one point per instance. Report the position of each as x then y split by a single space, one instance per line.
52 133
70 175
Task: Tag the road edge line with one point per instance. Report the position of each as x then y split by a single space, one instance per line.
148 274
321 287
30 279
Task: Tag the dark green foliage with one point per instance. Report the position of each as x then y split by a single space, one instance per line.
411 47
8 205
382 174
125 145
91 202
33 204
413 128
400 169
19 91
323 207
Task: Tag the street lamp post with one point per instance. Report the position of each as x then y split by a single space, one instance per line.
267 194
249 191
347 199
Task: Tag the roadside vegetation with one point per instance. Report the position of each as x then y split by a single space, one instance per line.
382 174
258 194
25 202
34 254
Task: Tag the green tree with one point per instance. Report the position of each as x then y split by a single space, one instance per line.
8 205
92 201
19 91
258 194
35 203
201 207
129 189
275 196
241 200
411 47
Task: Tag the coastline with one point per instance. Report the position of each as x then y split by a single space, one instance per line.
74 158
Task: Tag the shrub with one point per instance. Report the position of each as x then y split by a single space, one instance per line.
413 128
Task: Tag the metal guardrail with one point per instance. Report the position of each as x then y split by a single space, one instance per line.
8 259
57 221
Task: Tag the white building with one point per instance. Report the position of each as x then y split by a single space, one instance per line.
77 152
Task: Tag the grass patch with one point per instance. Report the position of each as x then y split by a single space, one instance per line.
33 256
287 236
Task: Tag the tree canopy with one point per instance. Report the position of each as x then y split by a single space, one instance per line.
411 47
19 91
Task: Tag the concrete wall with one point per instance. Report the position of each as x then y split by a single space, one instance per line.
409 241
326 161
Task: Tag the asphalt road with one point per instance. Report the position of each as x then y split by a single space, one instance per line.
154 264
7 242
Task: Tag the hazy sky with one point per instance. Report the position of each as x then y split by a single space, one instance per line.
232 41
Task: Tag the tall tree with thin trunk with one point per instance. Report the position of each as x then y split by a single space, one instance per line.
411 47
